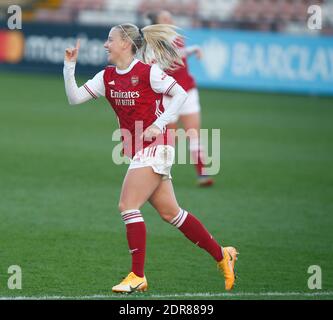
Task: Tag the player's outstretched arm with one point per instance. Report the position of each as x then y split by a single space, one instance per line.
195 49
74 94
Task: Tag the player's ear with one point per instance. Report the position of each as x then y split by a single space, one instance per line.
126 43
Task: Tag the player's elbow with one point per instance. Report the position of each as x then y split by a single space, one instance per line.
73 101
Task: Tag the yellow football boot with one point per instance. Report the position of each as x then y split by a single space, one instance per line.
132 283
227 266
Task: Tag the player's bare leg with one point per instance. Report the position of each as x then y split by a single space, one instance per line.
139 184
165 202
191 124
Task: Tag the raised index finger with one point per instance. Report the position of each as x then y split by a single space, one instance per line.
77 47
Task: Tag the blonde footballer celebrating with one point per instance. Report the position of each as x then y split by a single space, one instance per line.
135 91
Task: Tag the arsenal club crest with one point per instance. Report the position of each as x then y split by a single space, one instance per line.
135 80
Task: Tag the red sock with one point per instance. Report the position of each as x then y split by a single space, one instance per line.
136 238
198 162
197 156
195 231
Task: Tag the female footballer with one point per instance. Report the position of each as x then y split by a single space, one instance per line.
134 90
189 113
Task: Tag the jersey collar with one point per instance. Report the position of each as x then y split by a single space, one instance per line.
129 68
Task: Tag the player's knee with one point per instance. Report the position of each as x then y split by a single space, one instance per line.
122 206
167 215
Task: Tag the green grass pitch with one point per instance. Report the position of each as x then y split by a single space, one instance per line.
59 191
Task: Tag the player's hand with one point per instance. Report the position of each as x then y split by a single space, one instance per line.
198 53
71 54
151 132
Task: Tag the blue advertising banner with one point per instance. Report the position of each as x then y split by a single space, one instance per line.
231 59
263 61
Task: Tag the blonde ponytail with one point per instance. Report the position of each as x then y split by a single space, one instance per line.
160 39
154 43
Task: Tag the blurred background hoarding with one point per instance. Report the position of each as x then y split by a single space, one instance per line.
247 44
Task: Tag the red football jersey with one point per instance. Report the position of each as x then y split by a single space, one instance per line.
136 96
182 74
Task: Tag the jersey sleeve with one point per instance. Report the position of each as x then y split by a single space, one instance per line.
95 86
160 82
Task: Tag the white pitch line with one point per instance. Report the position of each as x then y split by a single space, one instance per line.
178 295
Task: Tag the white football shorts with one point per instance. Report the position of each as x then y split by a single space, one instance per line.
159 157
191 104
